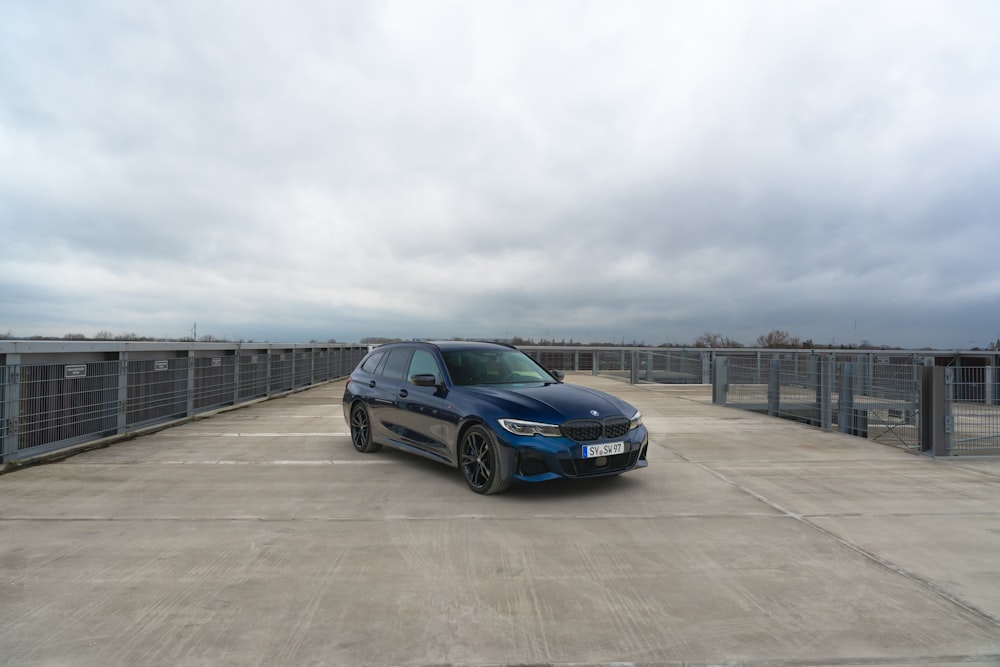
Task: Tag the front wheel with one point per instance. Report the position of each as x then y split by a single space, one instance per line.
361 430
480 462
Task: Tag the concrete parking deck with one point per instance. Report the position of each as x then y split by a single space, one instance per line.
260 537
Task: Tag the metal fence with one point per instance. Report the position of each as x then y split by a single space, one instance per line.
973 410
875 398
55 395
875 394
632 364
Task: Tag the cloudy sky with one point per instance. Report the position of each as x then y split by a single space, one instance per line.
620 170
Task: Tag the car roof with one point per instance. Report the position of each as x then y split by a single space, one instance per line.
455 345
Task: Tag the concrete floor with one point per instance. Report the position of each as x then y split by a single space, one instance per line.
259 536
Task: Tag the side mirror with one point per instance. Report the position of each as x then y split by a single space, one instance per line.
559 375
424 380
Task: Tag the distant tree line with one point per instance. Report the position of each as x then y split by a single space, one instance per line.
775 339
130 337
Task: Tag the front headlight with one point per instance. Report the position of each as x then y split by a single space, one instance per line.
521 427
636 420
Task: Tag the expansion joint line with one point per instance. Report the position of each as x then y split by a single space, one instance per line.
873 557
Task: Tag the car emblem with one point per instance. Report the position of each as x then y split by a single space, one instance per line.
595 413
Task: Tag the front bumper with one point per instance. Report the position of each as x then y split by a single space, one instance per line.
537 458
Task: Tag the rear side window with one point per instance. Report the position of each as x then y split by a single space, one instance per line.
371 363
395 365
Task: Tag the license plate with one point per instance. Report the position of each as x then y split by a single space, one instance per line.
607 449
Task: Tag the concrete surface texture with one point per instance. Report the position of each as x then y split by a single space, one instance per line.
259 536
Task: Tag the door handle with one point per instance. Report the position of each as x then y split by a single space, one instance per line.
371 385
403 393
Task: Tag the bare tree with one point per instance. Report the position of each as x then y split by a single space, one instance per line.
778 338
712 339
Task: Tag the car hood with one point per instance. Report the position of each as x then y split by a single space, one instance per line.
551 402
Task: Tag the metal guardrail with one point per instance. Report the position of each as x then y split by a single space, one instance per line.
57 395
914 404
973 410
887 396
632 364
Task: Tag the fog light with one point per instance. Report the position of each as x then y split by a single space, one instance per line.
600 461
530 463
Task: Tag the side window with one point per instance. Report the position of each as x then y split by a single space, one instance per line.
423 363
395 365
371 363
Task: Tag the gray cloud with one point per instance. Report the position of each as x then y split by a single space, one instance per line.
592 170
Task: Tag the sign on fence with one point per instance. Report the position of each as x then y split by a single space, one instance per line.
75 371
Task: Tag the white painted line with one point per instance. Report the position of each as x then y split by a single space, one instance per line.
328 434
320 462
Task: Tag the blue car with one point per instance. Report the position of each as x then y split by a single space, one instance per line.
491 411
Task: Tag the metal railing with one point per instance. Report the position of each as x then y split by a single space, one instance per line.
856 394
890 399
973 410
56 395
875 394
633 364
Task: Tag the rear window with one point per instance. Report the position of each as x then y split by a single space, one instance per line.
371 363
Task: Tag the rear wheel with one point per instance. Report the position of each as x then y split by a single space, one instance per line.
480 462
361 430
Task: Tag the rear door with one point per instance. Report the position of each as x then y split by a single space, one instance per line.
388 382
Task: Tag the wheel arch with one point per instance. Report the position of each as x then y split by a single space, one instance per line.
463 428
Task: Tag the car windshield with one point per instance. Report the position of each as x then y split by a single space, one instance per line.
471 367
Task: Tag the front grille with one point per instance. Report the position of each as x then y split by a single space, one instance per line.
585 430
616 427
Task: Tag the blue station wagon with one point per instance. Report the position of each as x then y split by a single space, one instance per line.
491 411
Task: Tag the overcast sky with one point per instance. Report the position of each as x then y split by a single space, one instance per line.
621 170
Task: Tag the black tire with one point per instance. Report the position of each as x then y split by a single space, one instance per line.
479 460
361 430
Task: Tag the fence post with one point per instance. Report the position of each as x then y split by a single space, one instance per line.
988 385
720 383
774 387
870 374
933 411
122 425
270 370
706 367
845 417
825 392
236 373
595 367
633 376
10 394
814 378
190 382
